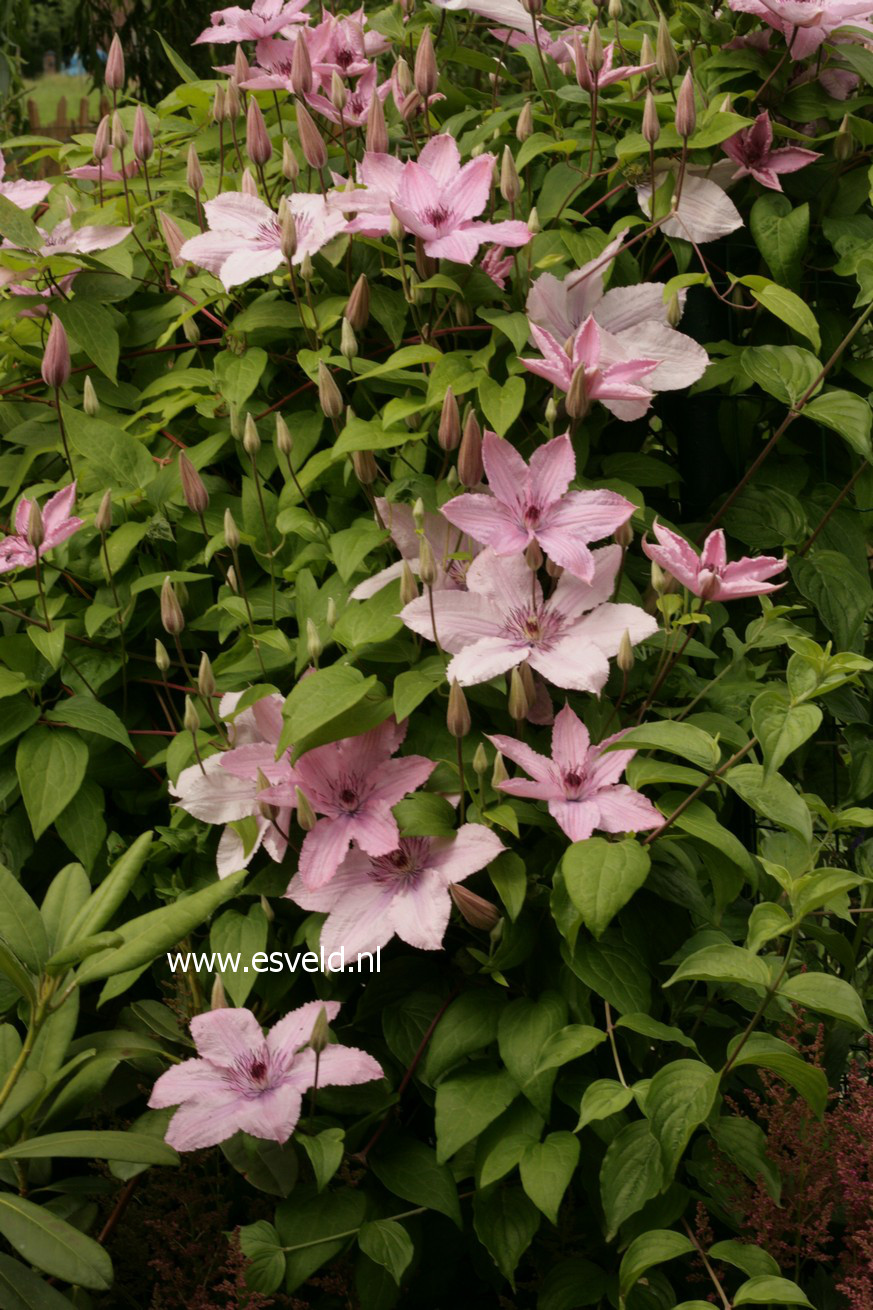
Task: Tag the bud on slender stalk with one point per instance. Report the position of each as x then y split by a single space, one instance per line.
533 557
205 677
624 535
524 126
218 996
418 514
519 704
251 440
103 519
101 139
172 617
674 310
358 305
233 580
377 132
162 659
510 187
193 172
594 52
311 143
114 74
329 395
193 488
478 912
143 141
301 68
241 66
258 147
577 402
314 645
666 59
231 532
686 110
402 76
339 92
331 615
614 9
290 167
56 359
396 230
659 579
470 467
554 570
173 238
288 233
191 719
408 585
844 144
480 761
426 76
190 331
625 657
651 122
364 464
231 99
284 441
119 136
219 105
248 185
427 569
267 908
35 527
320 1036
305 812
458 715
647 52
449 431
348 340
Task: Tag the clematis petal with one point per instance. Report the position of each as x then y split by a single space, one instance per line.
224 1037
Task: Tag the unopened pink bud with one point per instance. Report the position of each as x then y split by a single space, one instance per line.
311 143
471 470
114 76
56 359
377 132
193 172
193 488
35 526
143 141
686 111
301 67
248 185
173 238
241 67
426 75
258 146
101 139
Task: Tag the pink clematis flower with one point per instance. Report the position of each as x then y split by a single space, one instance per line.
444 544
532 503
352 784
104 172
58 525
614 374
265 18
558 46
378 177
752 149
343 46
229 787
438 200
243 1081
588 79
704 212
404 894
509 13
357 107
580 782
20 192
709 575
806 24
630 318
245 238
503 619
64 239
497 265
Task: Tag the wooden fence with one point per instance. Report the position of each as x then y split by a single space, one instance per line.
67 122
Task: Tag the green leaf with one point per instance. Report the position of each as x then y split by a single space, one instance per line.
572 1283
786 372
21 924
81 825
847 414
615 972
525 1027
118 461
514 326
238 375
630 1174
325 1153
826 994
841 594
22 1289
505 1222
49 644
567 1044
723 964
679 1098
751 1259
314 1229
17 227
745 1144
320 698
53 1245
651 1248
467 1102
787 306
265 1259
92 326
91 716
30 1085
781 727
646 1026
501 1146
693 744
539 143
602 876
468 1025
410 1169
234 933
414 686
768 1290
774 797
601 1099
186 73
501 402
105 900
389 1244
781 234
546 1170
509 877
699 822
50 766
138 1147
767 1052
148 935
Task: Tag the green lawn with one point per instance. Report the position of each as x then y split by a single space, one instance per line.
46 92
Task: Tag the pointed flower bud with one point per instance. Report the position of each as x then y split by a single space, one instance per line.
162 659
624 535
35 526
320 1036
449 431
193 487
331 615
339 92
193 171
314 645
258 147
480 761
251 440
647 51
364 464
674 310
231 532
348 340
427 569
172 617
458 715
103 520
248 185
241 66
56 359
358 305
478 912
666 59
290 166
470 467
377 132
625 657
408 585
426 77
218 996
844 144
101 139
305 812
651 122
577 402
686 110
114 74
311 142
231 99
191 719
284 441
402 76
233 580
205 677
418 514
510 186
301 67
219 105
173 238
499 772
524 126
519 705
594 52
119 136
329 395
288 233
143 141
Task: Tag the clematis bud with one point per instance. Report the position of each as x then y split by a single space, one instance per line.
364 464
241 66
583 70
251 440
577 403
284 441
480 761
193 172
524 125
510 187
162 659
101 139
305 812
35 527
205 677
314 645
114 74
532 7
306 268
331 614
396 230
258 147
418 514
458 715
233 580
651 122
348 340
519 704
311 143
408 585
301 68
554 570
56 358
449 430
173 238
290 167
269 912
103 518
329 395
594 52
625 657
219 105
426 76
614 10
499 772
190 331
119 136
320 1035
524 672
231 99
191 719
193 488
231 532
90 403
402 76
172 617
727 105
339 92
143 141
533 557
666 59
377 132
686 110
470 467
358 304
624 535
427 569
674 310
218 996
410 105
533 222
659 579
288 233
647 52
248 185
844 144
478 912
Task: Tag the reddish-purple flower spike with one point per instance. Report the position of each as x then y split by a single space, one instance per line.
242 1080
532 503
114 74
580 783
709 575
258 147
143 141
56 366
353 784
58 524
752 150
404 894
